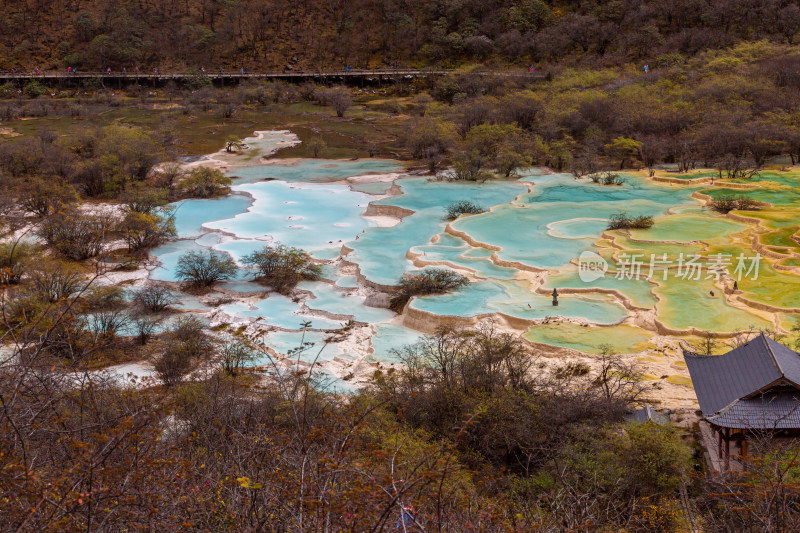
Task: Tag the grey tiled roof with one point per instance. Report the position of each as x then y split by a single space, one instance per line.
771 411
721 380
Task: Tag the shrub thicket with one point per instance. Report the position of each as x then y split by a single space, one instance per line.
428 281
623 221
462 207
282 267
727 203
203 269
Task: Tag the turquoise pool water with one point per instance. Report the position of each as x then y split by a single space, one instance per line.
309 217
381 252
516 299
389 338
545 228
457 252
190 215
305 346
328 298
280 311
563 216
314 170
640 291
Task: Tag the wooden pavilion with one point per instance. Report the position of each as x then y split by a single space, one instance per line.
753 390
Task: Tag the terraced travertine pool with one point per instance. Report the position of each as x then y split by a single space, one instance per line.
369 224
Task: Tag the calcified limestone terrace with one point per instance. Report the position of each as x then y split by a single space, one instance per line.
367 223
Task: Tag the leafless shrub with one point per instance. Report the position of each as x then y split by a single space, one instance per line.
15 259
145 327
429 281
339 98
104 297
618 379
623 221
205 269
186 345
727 203
75 236
107 325
236 355
54 280
154 299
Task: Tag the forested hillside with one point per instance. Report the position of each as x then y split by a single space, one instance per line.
280 34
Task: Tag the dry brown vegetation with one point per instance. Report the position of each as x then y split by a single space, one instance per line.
623 221
427 281
727 203
471 433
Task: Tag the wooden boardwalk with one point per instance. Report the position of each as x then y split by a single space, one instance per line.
349 74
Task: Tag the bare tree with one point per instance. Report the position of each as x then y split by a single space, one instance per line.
186 345
105 326
619 380
170 174
708 344
15 259
145 327
282 267
235 355
339 98
56 280
205 269
75 236
154 298
317 145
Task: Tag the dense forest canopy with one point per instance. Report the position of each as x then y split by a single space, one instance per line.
277 34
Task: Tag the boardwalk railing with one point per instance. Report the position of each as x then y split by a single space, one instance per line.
347 73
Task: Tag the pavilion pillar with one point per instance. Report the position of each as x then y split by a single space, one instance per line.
744 452
727 449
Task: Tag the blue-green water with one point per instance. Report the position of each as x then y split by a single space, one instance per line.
314 170
307 216
381 252
190 215
563 216
279 311
544 229
515 299
327 298
389 338
456 251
